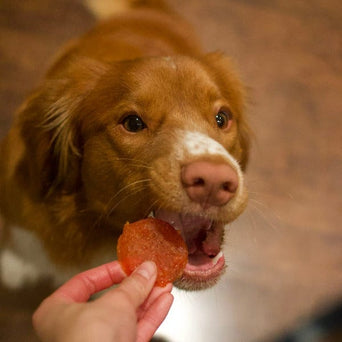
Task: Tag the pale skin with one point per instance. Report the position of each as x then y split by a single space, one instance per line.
130 312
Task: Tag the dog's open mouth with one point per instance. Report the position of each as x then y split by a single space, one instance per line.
204 239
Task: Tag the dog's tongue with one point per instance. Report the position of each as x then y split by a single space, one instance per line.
199 233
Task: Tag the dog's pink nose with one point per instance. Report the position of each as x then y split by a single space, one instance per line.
208 183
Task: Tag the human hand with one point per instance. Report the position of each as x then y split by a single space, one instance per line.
130 312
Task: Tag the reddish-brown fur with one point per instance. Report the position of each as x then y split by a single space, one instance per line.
67 163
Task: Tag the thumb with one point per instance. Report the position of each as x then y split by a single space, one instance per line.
139 284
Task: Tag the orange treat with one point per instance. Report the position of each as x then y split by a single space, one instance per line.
154 240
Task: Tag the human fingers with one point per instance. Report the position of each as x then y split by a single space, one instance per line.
78 289
82 286
135 288
153 296
153 317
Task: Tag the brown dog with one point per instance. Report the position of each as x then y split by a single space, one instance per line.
132 119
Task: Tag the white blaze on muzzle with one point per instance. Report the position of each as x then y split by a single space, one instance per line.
196 144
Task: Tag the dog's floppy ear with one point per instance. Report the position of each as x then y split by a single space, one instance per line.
232 88
49 126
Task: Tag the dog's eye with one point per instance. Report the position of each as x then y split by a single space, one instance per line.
223 119
133 123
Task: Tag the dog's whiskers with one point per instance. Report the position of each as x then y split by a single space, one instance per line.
152 207
109 209
259 208
130 189
136 162
128 186
137 186
136 190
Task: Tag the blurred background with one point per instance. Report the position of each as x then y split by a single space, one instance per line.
284 253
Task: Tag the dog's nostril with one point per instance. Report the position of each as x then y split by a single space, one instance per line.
226 186
199 182
229 187
209 184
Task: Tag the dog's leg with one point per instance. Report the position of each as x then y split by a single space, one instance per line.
15 271
105 8
22 259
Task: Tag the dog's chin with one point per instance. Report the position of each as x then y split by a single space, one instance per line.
204 238
203 276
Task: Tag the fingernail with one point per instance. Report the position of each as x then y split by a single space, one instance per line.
147 269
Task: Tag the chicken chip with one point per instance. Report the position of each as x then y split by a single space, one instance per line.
154 240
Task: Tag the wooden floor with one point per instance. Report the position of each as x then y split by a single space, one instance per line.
285 252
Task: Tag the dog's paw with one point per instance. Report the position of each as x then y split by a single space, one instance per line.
105 8
15 272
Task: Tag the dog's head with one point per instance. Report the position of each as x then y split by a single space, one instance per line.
164 136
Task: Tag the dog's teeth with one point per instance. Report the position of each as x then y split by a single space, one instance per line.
217 258
173 224
210 225
151 214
